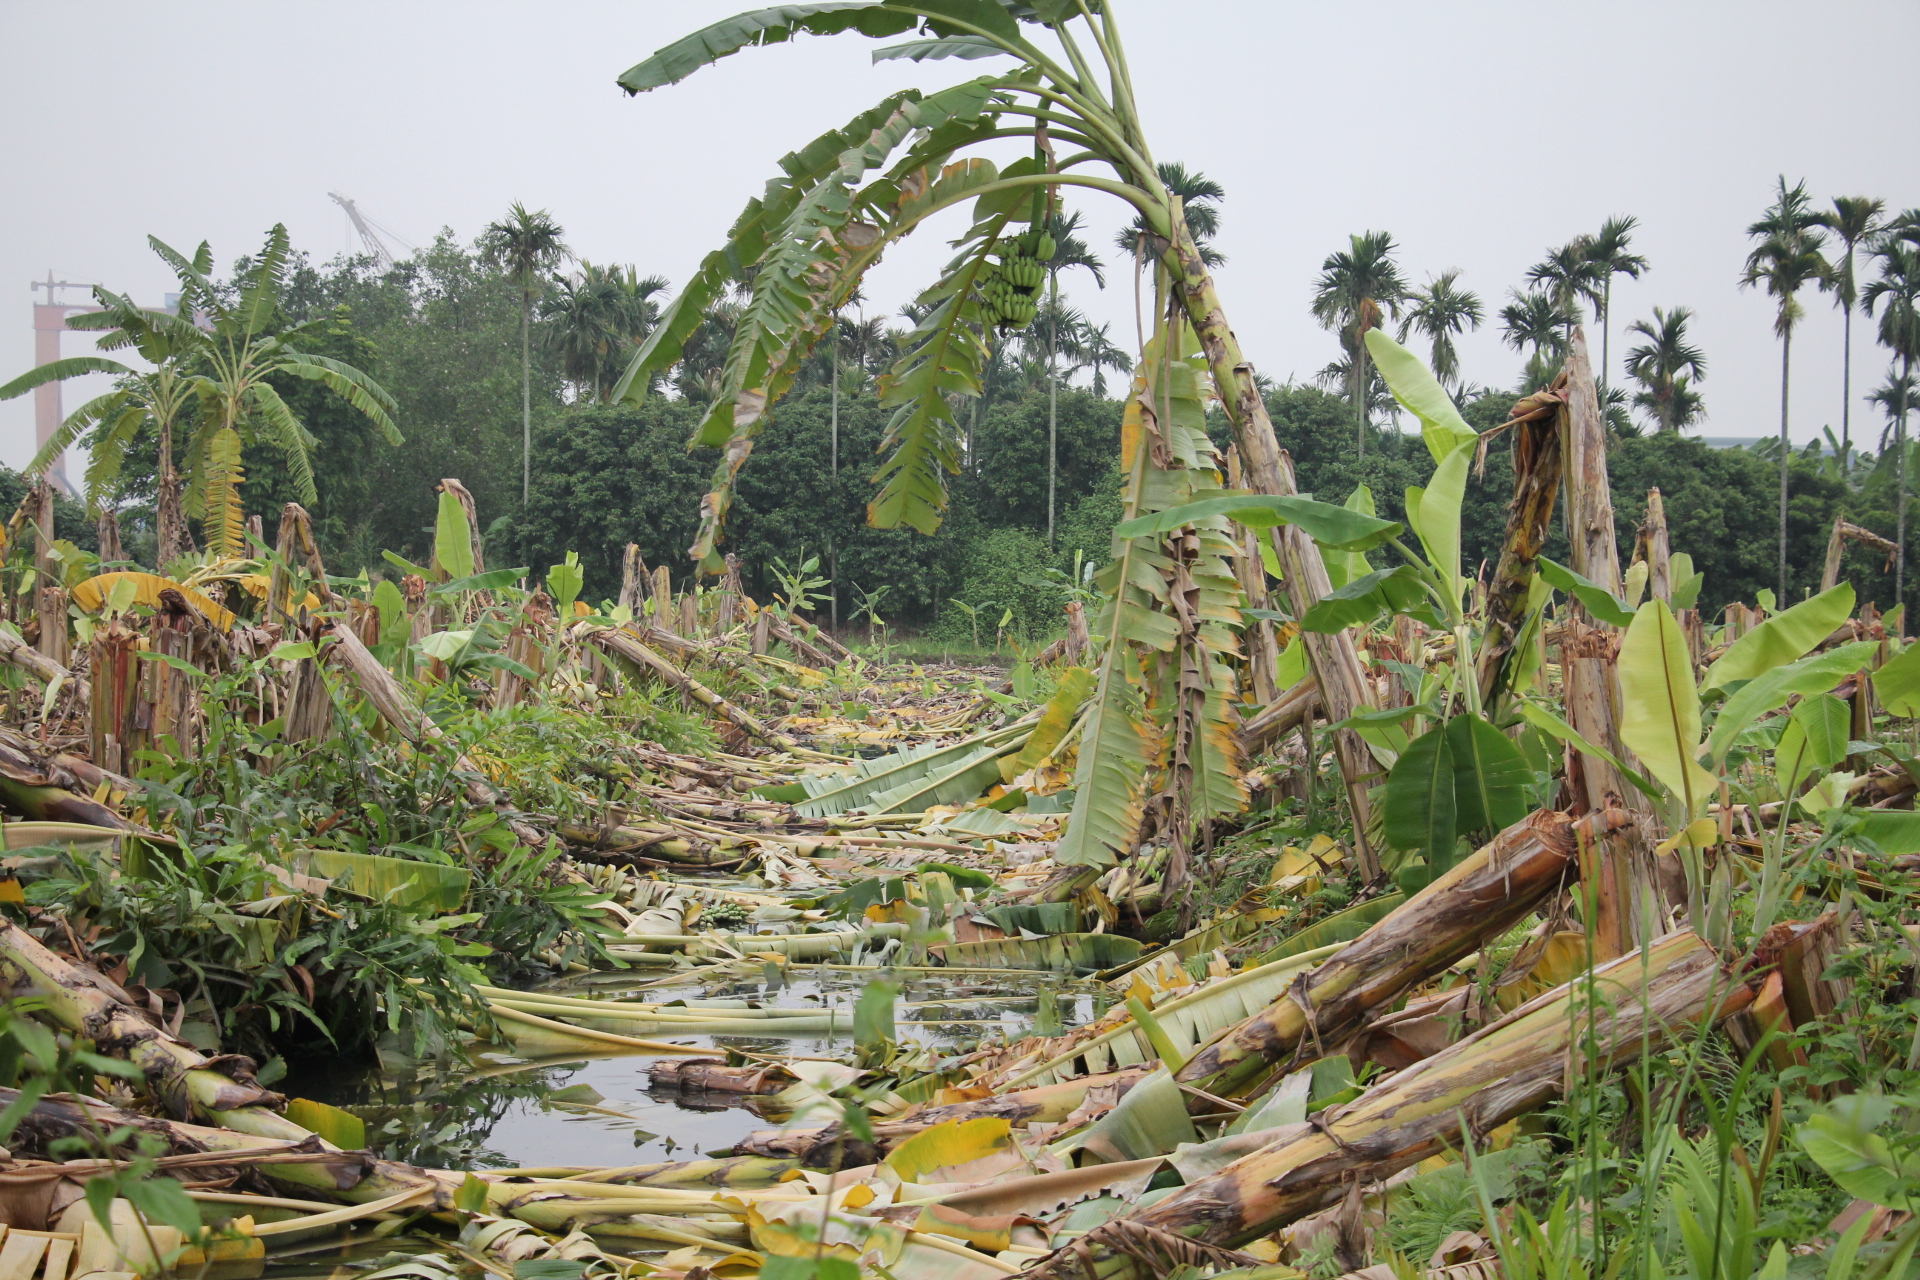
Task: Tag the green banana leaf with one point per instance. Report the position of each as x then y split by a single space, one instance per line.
1783 638
1150 1120
401 881
1085 952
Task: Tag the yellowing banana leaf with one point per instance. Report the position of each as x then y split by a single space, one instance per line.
342 1128
401 881
1087 952
92 594
257 584
1075 684
933 1154
75 835
1342 926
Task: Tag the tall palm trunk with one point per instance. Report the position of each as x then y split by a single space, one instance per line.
1360 392
526 397
1606 332
833 459
1846 378
1786 353
1053 399
1900 529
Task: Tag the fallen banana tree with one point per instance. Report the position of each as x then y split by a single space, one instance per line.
1479 898
186 1081
1633 1005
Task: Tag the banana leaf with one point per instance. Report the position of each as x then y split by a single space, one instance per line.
895 775
401 881
1150 1120
1188 1021
1083 952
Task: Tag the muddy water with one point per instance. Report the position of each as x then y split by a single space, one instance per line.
501 1111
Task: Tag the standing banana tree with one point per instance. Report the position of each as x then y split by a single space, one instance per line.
109 423
218 355
844 198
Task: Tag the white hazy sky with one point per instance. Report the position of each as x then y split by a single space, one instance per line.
1479 134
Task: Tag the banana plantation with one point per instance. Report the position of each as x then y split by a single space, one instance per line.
1318 903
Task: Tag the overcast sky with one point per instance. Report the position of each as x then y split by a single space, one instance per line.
1477 134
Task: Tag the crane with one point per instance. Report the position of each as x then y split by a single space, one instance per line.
370 232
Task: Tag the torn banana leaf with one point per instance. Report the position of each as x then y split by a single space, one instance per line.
1083 952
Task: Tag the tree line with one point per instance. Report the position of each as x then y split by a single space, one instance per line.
355 387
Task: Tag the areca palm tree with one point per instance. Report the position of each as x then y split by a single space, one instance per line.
1896 292
1666 366
1439 311
1200 198
1359 287
527 245
1785 259
1569 276
1534 321
1069 250
1610 256
595 318
1854 220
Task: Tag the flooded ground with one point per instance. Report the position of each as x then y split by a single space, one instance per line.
506 1111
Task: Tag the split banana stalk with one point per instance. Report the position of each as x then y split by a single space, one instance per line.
1480 897
1635 1005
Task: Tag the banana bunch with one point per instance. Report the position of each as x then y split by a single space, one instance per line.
1011 290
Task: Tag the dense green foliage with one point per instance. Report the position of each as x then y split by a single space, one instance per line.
441 332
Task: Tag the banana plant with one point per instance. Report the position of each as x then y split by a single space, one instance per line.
1462 777
1663 723
217 353
1157 742
842 200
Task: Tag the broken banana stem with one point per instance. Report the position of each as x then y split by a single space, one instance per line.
1480 897
187 1082
1634 1006
626 648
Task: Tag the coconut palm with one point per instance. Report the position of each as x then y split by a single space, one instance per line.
1854 220
1666 366
1439 311
1896 292
1785 259
1358 288
527 245
594 320
1609 255
1200 198
1534 322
